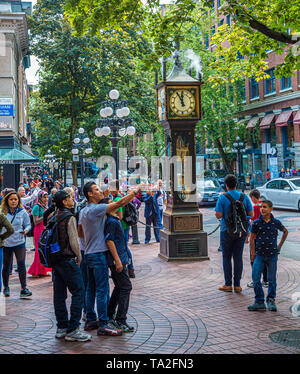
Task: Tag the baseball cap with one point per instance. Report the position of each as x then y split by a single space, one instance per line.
59 196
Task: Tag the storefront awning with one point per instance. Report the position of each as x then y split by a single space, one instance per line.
251 124
297 118
283 118
266 121
16 156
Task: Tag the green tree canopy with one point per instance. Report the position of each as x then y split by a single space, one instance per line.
76 75
260 25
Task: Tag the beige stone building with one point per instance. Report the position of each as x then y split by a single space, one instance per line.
14 93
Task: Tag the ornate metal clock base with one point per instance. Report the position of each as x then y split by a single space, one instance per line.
186 240
183 247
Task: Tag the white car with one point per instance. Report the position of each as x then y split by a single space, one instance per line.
283 192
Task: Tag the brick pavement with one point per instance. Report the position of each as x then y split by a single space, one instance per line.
175 308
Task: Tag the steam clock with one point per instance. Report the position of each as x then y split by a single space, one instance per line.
179 109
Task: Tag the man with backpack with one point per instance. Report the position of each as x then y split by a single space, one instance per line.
66 272
234 209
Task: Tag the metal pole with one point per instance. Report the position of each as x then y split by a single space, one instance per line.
115 151
81 170
65 172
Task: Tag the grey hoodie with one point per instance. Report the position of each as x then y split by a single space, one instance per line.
20 223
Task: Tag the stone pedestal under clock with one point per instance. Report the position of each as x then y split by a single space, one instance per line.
179 109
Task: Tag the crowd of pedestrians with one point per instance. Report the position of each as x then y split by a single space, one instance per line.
94 240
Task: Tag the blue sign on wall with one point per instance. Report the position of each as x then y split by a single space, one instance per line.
6 110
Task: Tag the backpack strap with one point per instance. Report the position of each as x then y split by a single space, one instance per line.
232 200
242 197
67 214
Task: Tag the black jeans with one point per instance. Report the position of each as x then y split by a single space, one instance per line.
152 220
84 272
20 252
120 295
67 276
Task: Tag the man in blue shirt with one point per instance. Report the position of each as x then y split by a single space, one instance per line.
232 247
264 251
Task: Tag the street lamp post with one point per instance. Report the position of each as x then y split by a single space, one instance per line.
239 148
48 160
112 122
81 144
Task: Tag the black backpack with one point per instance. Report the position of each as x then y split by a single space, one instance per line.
49 250
130 215
237 223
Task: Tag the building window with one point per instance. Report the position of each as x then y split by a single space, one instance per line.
286 83
243 93
270 82
254 88
206 41
228 20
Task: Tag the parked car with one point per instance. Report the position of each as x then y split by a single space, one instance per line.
283 192
221 174
209 190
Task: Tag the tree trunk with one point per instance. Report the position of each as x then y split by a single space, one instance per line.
225 160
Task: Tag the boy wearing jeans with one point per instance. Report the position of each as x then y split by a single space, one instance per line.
255 199
115 240
264 250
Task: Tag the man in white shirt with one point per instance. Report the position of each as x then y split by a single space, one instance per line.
28 199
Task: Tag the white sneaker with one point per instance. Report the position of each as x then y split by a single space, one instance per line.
78 336
250 284
61 333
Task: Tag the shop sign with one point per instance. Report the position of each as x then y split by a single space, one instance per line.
6 107
6 162
273 167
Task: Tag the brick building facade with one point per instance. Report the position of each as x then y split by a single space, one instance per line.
273 105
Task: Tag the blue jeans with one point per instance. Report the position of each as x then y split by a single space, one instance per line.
126 235
67 276
257 269
232 248
1 263
160 218
97 287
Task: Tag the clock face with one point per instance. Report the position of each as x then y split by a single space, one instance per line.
182 102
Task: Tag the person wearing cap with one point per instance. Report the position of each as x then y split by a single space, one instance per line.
91 227
12 208
67 274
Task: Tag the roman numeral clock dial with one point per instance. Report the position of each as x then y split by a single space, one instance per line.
182 102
